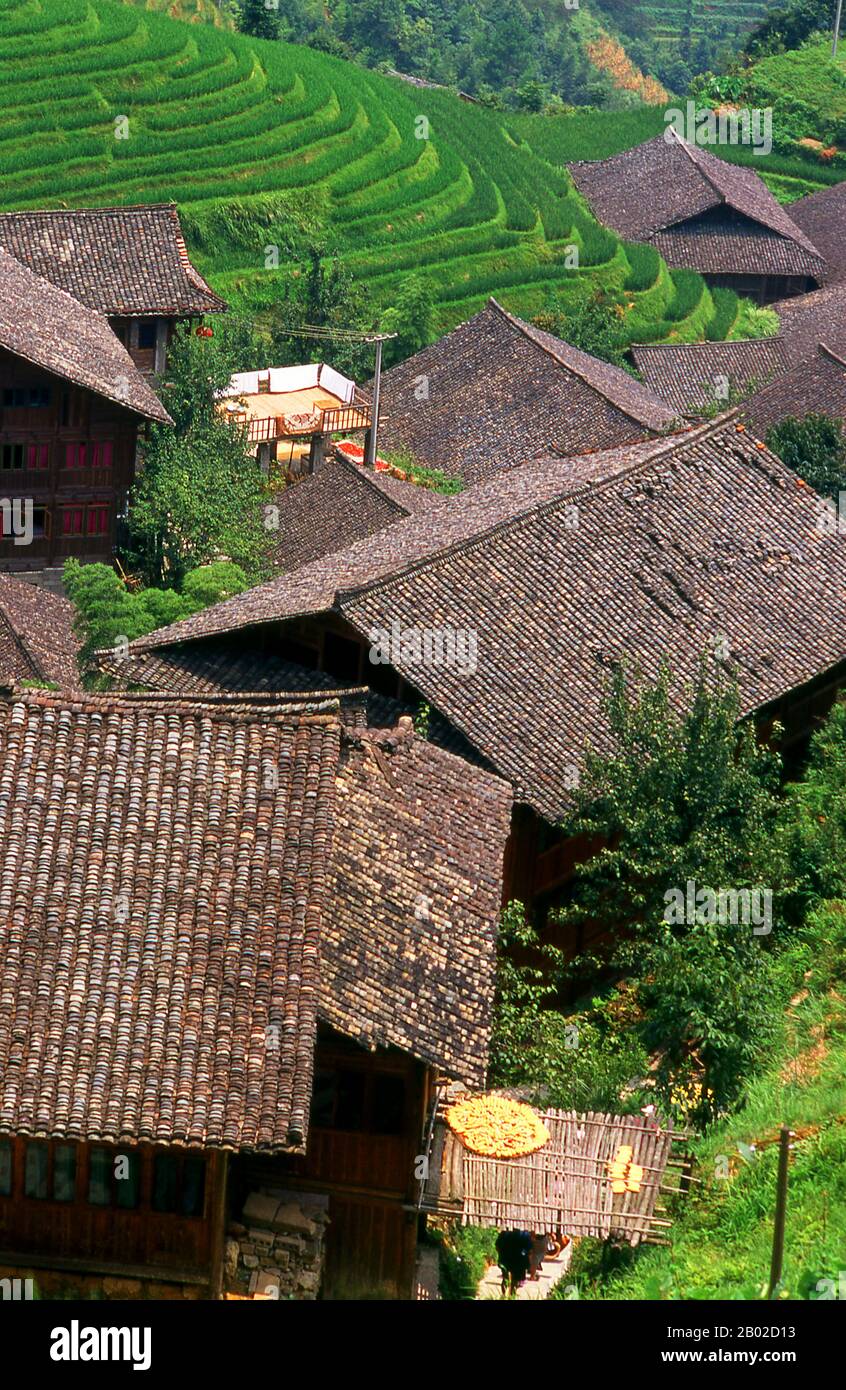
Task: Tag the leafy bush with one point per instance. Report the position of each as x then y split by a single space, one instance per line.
815 448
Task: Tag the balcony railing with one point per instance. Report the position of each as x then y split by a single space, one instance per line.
338 420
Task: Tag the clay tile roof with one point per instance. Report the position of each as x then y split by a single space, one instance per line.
815 386
667 547
122 261
409 947
161 896
810 319
313 587
37 641
687 375
49 328
646 193
499 392
339 504
822 217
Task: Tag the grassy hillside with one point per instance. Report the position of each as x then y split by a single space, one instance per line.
247 136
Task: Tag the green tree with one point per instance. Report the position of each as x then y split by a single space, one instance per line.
412 318
199 495
326 296
259 18
686 795
589 323
815 448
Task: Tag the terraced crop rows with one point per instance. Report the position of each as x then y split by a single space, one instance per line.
708 16
240 132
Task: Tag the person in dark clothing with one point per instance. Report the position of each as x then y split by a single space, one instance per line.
513 1249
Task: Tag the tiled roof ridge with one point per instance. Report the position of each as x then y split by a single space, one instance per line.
357 471
826 351
577 371
707 343
697 158
663 448
693 156
81 211
21 644
308 706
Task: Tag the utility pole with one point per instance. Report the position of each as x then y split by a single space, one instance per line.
372 436
836 28
353 335
780 1211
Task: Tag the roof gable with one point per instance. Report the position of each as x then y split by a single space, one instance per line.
666 181
496 392
47 327
122 261
37 641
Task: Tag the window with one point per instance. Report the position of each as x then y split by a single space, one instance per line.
40 522
101 453
75 455
72 518
387 1110
147 333
5 1167
98 521
36 1157
179 1184
99 1178
358 1100
37 455
28 397
14 455
341 657
114 1179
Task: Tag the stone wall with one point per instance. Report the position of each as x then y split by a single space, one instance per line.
276 1249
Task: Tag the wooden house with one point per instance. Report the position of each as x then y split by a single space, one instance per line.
560 570
771 381
498 391
131 264
239 942
702 213
71 405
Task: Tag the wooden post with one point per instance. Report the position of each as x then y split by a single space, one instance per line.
217 1217
780 1211
370 459
836 28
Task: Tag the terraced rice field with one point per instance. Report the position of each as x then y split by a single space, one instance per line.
104 103
708 16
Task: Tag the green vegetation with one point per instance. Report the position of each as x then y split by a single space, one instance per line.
815 448
269 148
729 1032
199 495
722 1234
110 615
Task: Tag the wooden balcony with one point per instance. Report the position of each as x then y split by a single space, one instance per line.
338 420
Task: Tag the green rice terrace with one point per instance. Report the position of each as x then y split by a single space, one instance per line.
670 18
105 103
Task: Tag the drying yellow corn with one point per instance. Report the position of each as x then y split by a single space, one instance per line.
496 1127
